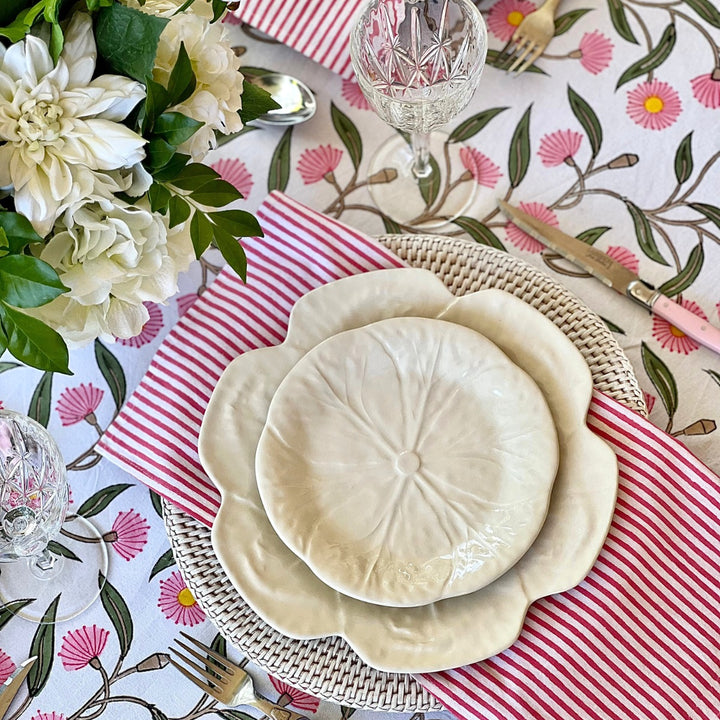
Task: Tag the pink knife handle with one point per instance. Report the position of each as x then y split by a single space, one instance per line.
688 322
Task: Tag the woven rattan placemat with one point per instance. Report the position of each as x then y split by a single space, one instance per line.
328 668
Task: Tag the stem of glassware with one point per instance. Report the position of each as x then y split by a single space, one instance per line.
421 151
46 565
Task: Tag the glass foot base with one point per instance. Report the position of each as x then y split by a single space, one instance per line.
425 204
76 583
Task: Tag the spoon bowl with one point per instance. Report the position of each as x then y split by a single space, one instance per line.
296 100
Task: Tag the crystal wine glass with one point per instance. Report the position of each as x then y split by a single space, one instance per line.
34 500
418 63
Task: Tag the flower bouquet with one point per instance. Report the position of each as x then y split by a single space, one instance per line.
107 108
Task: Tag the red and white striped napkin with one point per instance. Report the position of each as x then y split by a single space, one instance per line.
319 29
638 639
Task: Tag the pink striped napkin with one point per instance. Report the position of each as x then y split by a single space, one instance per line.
319 29
639 639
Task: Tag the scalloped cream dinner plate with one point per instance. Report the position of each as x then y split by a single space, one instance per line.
407 461
286 594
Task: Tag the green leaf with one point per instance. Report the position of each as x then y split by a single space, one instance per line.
9 9
19 231
172 168
118 613
41 400
661 378
157 100
644 233
159 153
159 198
588 119
256 101
591 235
201 233
479 232
179 210
57 41
43 645
97 502
181 84
128 39
165 561
564 22
620 21
348 133
707 10
176 128
239 223
711 212
684 159
28 282
279 171
473 125
219 7
193 176
653 59
216 193
430 186
57 549
10 610
520 150
32 342
156 502
112 372
232 251
687 276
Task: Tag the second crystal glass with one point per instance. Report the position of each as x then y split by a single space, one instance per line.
418 63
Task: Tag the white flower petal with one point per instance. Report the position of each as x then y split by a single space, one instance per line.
79 51
111 97
111 145
126 320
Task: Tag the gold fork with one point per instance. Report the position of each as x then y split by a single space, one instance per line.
226 681
533 35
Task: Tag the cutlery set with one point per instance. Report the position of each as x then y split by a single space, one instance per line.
12 685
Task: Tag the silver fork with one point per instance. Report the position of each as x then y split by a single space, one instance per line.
226 681
533 35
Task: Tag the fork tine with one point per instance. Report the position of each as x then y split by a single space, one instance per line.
531 59
215 677
214 655
210 690
216 666
513 48
530 47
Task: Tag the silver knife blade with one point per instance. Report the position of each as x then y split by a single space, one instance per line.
9 689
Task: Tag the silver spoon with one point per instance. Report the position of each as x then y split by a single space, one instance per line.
297 103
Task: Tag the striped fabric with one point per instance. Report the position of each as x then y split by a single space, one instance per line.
319 29
639 639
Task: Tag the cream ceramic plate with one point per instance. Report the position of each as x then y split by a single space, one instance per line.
407 461
286 594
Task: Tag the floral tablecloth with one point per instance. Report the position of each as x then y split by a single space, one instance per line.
613 136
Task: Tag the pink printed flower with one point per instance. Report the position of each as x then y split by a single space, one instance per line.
178 603
520 238
7 666
82 647
319 163
706 89
299 699
129 534
47 716
236 173
559 147
654 105
624 257
649 401
184 302
595 52
354 95
79 403
673 339
483 169
506 15
149 330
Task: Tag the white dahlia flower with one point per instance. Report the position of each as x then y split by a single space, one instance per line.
167 8
59 126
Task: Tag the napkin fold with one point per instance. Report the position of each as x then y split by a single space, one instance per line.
638 639
319 29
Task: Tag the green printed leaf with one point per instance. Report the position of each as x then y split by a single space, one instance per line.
41 400
661 378
118 613
612 326
18 230
279 172
101 499
391 227
57 549
10 610
644 233
4 366
473 125
479 232
112 372
564 22
165 561
684 159
128 39
711 212
500 60
156 501
232 251
43 645
201 233
591 235
588 119
653 59
239 223
714 375
620 21
346 712
430 186
687 276
28 282
520 150
228 714
256 101
707 10
181 84
348 133
156 713
219 645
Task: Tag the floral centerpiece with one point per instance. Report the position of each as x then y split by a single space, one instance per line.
107 109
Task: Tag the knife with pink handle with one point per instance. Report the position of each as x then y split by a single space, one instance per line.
616 276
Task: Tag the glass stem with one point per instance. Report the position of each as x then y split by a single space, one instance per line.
421 151
46 565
